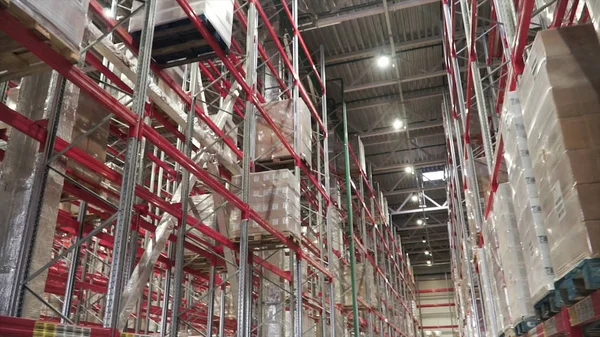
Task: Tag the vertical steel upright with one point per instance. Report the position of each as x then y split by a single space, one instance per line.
297 261
167 285
115 285
66 309
350 223
243 296
185 192
328 208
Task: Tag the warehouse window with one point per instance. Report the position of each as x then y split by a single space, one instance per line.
434 175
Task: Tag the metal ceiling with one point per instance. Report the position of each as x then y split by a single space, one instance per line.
355 34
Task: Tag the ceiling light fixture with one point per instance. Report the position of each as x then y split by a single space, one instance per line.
397 124
383 61
424 241
429 263
426 252
409 169
414 198
419 222
107 12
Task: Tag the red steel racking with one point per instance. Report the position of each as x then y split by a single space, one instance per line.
168 161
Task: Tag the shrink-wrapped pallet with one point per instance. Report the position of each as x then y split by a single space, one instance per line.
487 291
230 310
363 281
64 19
275 197
217 13
357 147
526 202
560 96
519 305
593 7
277 321
269 146
496 274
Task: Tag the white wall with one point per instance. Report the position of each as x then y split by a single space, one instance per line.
440 316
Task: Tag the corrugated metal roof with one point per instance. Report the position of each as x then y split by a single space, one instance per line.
347 38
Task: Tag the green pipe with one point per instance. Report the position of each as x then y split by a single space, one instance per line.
350 222
349 210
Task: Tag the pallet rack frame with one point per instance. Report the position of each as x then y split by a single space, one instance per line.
505 37
138 202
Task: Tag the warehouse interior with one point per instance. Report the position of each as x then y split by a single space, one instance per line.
299 168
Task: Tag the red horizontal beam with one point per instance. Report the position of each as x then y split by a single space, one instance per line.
97 9
437 305
17 327
431 327
303 45
17 31
435 290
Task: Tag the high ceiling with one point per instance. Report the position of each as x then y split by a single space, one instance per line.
355 34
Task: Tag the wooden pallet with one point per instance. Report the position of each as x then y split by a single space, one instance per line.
578 283
354 172
525 325
15 60
279 163
361 307
201 264
179 42
265 241
548 306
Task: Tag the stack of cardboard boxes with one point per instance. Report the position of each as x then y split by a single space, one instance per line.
65 19
560 96
497 282
519 307
269 146
525 198
275 196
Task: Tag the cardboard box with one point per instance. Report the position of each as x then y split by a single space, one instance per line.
560 92
365 283
275 196
510 253
269 146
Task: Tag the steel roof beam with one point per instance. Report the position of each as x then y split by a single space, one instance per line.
395 140
423 210
401 167
371 52
413 190
349 15
391 99
412 228
405 79
411 127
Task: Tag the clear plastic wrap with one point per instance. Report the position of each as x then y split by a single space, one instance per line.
218 12
561 108
275 322
64 19
230 309
519 303
528 210
486 287
364 278
89 115
268 144
358 148
593 7
496 273
275 196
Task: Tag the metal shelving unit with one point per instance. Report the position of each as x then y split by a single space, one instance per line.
497 36
120 258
